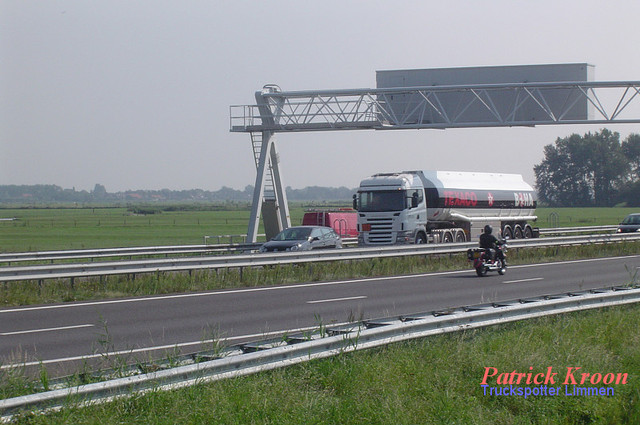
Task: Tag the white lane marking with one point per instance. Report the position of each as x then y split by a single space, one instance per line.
562 263
337 299
524 280
298 286
233 291
163 347
32 331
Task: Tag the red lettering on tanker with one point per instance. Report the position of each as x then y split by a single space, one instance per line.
460 199
523 199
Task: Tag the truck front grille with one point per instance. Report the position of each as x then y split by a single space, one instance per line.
381 231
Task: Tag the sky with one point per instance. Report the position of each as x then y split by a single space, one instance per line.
136 94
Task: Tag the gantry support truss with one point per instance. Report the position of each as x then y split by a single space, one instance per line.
439 107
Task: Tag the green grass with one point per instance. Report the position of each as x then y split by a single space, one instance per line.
570 217
60 229
82 228
434 380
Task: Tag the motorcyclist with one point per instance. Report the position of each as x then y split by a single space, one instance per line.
489 242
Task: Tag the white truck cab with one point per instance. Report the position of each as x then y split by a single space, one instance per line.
391 209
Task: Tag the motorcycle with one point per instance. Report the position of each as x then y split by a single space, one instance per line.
487 260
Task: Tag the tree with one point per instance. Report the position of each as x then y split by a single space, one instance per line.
631 149
561 178
609 166
99 192
630 194
582 171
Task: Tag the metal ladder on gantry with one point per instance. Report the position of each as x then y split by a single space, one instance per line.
436 107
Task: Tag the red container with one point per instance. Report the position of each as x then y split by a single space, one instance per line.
344 222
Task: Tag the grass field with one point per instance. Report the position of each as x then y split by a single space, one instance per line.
434 380
80 228
77 228
568 217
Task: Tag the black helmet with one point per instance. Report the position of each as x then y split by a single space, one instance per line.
488 229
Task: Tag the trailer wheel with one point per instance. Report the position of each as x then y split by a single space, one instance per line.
528 232
507 233
420 239
447 237
460 236
517 232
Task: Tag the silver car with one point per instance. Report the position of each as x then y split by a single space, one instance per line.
303 238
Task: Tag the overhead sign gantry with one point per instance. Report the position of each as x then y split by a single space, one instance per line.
422 99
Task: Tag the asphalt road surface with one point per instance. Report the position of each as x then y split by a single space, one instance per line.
60 335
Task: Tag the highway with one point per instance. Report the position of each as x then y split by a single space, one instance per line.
59 335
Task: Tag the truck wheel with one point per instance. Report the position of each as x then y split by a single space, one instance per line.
460 236
528 232
507 233
420 239
447 237
517 232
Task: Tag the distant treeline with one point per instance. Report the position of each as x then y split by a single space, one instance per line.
35 194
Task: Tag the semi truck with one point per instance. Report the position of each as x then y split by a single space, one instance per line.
415 207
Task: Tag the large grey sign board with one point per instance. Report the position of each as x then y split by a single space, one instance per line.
482 104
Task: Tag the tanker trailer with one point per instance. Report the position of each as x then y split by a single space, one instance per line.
442 206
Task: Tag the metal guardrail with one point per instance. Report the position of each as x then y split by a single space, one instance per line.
102 253
51 256
583 229
220 238
296 349
21 257
79 270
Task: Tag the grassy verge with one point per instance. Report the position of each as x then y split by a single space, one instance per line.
434 380
53 291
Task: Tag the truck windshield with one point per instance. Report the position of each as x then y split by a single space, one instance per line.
391 200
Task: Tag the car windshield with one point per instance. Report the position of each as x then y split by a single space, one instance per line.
391 200
631 219
293 234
